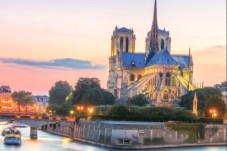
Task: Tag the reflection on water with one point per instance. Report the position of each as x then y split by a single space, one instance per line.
51 142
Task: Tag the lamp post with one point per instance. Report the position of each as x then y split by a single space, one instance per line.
90 111
71 112
214 114
79 108
50 112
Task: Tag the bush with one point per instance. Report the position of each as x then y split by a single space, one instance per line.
195 131
135 113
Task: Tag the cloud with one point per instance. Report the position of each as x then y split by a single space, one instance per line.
56 63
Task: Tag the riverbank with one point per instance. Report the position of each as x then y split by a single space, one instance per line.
142 147
107 134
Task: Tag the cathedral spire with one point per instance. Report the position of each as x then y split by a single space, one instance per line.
153 46
154 31
195 104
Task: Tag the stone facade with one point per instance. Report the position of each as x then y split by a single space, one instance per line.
161 76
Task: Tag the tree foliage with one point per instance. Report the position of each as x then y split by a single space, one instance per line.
88 91
59 92
23 98
62 109
136 113
216 103
93 96
138 100
203 95
82 85
108 98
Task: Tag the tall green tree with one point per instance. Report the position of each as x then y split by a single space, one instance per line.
82 85
138 100
93 96
59 92
108 98
23 98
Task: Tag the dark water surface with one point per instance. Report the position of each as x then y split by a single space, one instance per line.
51 142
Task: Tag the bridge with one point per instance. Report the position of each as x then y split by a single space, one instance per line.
35 123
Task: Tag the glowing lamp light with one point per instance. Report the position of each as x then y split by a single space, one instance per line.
71 112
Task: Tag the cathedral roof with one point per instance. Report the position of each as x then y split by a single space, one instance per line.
123 29
162 57
183 60
133 60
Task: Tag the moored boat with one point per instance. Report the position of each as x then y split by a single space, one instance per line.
8 130
12 139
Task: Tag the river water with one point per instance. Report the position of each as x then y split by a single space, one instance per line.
51 142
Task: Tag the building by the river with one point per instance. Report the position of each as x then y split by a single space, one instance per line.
163 77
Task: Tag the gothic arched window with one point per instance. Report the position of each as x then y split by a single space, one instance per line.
162 44
167 82
127 42
139 77
165 95
121 44
132 77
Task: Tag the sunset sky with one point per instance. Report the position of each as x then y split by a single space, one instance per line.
44 41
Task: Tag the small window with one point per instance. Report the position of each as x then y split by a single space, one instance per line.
162 44
133 63
139 77
132 77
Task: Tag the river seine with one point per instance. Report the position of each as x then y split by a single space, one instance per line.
51 142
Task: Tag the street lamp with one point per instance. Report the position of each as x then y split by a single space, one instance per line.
71 112
80 108
90 110
213 113
50 112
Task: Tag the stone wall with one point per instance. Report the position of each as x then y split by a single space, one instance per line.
141 133
136 134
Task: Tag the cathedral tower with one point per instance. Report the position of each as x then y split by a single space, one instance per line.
157 39
123 39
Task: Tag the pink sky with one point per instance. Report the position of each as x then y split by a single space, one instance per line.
46 30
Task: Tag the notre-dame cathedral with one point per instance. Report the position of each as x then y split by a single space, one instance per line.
163 77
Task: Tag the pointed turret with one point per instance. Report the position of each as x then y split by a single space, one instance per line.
195 104
153 47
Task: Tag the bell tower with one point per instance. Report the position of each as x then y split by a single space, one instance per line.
123 39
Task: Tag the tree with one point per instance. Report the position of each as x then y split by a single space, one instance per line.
203 96
216 103
52 108
59 92
138 100
119 112
82 85
108 98
93 96
23 98
64 109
